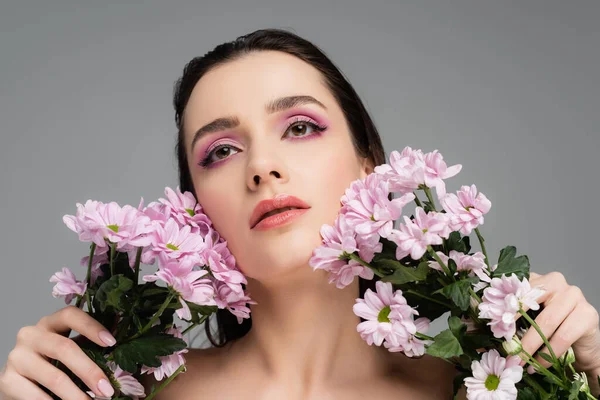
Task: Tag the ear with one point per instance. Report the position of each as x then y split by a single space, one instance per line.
366 167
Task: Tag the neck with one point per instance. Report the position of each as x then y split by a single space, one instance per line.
304 331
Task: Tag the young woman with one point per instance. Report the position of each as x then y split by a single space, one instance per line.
268 116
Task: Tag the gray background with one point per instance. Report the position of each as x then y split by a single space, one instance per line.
509 89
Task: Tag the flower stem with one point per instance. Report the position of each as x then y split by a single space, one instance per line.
423 336
366 264
138 257
439 260
481 241
543 370
536 385
426 297
539 331
417 200
156 316
429 197
192 326
166 382
112 259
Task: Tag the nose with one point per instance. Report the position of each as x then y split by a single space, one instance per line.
264 169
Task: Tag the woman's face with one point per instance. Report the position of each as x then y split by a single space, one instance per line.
267 153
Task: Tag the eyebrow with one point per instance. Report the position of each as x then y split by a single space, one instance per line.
274 106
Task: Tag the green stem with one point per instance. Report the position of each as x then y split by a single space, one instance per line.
429 197
112 259
481 241
138 257
192 326
423 336
534 384
366 264
417 200
166 382
539 331
427 298
156 316
543 370
439 260
88 276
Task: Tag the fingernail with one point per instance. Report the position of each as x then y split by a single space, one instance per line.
105 388
530 369
107 338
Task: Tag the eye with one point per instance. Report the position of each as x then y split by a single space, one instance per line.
300 126
220 152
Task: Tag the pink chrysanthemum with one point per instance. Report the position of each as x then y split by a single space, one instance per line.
466 209
67 285
410 169
184 208
405 171
411 346
502 301
97 222
338 242
368 209
174 242
436 171
170 363
381 324
188 283
236 302
494 377
126 383
415 235
475 263
218 258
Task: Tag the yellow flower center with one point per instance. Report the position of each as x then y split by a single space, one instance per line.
492 382
384 314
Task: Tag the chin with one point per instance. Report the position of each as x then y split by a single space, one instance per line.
280 253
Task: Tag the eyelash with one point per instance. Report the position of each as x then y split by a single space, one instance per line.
206 161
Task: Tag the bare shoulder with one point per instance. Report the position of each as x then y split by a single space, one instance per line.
209 365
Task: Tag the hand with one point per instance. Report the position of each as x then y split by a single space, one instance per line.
566 320
29 362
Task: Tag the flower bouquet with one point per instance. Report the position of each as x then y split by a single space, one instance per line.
197 275
427 270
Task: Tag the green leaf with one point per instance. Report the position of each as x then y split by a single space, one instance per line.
455 242
574 390
112 293
446 345
458 292
404 274
457 327
146 350
526 394
508 264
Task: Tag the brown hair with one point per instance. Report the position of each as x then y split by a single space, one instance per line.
365 136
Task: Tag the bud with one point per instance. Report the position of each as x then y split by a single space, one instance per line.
568 357
582 377
513 347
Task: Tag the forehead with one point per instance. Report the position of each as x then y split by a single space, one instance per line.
242 87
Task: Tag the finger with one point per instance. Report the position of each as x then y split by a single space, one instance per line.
568 333
15 387
69 353
78 320
36 369
551 283
554 313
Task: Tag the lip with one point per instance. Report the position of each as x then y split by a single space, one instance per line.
279 201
